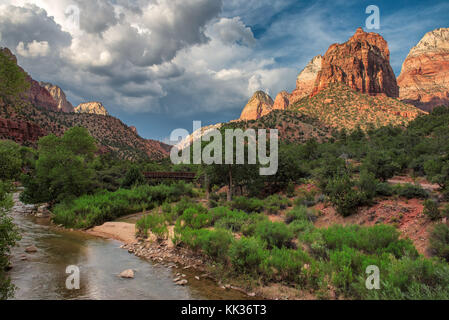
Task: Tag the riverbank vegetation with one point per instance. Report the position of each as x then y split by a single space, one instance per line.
262 229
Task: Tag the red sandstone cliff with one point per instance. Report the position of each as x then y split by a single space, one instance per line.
424 79
362 63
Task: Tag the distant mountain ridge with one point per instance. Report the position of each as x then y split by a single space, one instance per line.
47 110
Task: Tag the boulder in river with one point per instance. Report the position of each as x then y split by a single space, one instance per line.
182 282
31 249
127 274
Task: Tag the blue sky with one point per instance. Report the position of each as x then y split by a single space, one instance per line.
160 74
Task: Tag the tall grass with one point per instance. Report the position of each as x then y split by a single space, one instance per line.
91 210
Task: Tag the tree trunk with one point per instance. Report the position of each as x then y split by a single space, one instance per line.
206 185
230 185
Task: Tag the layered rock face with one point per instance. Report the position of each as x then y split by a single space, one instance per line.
258 106
306 80
92 108
20 131
362 63
58 95
282 101
424 79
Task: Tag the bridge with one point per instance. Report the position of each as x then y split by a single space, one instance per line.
170 175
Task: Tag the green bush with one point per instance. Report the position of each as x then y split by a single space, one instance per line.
154 223
411 191
195 219
371 240
90 210
249 205
276 203
300 213
344 197
213 243
384 189
247 255
431 209
275 234
439 241
287 265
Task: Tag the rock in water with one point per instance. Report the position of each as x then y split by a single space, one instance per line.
362 63
424 79
31 249
127 274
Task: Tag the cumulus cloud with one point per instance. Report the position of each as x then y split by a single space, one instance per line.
233 30
171 56
33 49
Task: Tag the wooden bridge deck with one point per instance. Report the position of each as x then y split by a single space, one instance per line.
170 175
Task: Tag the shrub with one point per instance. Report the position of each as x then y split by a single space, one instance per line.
248 205
384 189
431 209
300 213
290 190
275 234
194 219
411 191
370 240
439 241
247 254
287 265
90 210
344 197
154 223
213 243
276 203
216 244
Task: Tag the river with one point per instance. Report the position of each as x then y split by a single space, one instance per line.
42 275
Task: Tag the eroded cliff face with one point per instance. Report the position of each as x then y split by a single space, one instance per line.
306 80
20 131
282 101
424 79
58 94
362 63
258 106
92 108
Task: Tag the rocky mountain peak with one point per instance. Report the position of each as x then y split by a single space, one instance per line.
433 41
424 79
259 105
94 107
58 94
306 79
362 63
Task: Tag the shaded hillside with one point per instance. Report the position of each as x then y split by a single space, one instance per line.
292 126
111 133
338 106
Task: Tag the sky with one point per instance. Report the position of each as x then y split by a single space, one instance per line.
159 65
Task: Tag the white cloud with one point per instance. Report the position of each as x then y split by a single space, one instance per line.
33 49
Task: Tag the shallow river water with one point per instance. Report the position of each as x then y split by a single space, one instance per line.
42 275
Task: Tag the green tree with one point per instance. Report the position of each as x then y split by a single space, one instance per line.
10 160
12 79
8 237
63 168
